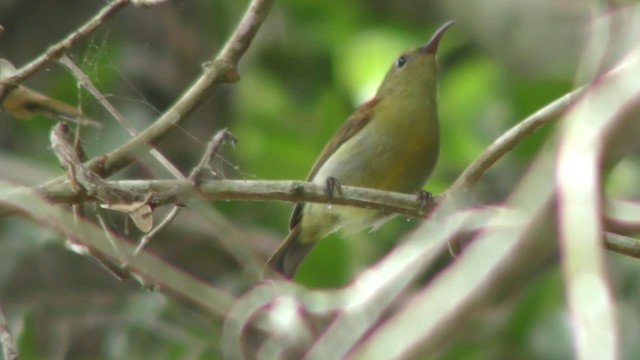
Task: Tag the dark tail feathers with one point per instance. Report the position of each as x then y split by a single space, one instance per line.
286 260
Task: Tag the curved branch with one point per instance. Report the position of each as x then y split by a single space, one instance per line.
222 69
56 50
510 139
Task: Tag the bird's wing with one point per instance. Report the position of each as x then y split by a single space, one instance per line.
351 126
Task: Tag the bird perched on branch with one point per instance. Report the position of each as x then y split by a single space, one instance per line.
389 143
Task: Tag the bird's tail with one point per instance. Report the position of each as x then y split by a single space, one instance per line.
286 260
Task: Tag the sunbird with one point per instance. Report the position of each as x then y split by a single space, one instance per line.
390 142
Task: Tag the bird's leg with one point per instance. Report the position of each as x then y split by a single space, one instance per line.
423 198
332 184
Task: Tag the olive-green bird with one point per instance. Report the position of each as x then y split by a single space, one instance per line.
389 143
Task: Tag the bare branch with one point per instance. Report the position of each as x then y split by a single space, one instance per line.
221 70
147 268
623 245
86 83
204 166
474 172
56 50
163 224
182 191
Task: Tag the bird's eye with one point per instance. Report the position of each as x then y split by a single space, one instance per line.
401 61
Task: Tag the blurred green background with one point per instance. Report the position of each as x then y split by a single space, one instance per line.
311 64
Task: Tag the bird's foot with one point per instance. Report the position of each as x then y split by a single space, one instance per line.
332 184
423 198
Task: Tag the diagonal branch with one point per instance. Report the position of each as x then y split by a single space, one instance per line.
149 269
56 50
221 70
474 172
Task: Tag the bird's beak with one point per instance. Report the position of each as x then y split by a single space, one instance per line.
431 47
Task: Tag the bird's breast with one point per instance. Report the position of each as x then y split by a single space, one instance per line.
396 151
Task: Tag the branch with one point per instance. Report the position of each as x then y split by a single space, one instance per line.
202 169
623 245
56 50
84 81
519 132
180 192
474 172
213 146
150 270
221 70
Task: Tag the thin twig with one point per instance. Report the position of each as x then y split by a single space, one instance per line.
86 83
213 146
92 184
146 267
163 224
510 139
519 132
221 70
196 175
56 50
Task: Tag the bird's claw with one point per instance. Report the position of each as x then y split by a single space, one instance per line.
423 198
332 184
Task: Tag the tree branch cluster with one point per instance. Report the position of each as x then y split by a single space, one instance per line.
563 181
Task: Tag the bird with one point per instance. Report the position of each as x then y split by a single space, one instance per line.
390 142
